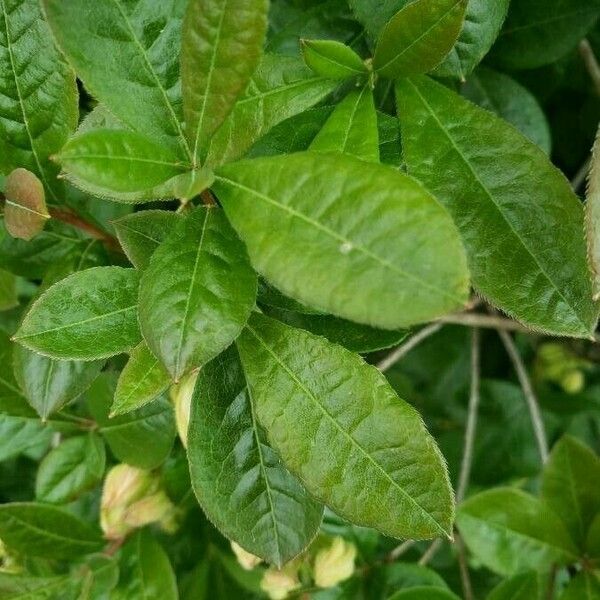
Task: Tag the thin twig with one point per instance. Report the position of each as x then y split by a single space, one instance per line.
431 552
464 569
66 216
398 551
391 359
532 402
485 321
467 458
591 63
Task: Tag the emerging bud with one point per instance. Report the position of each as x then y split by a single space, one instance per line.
181 396
278 583
148 510
335 563
123 486
247 561
557 363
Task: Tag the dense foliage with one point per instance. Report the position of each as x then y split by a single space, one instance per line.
298 299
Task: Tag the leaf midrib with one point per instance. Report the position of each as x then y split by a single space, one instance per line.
333 234
351 439
491 198
76 324
152 72
115 157
419 38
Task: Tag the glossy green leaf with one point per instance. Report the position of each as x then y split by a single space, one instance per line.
121 165
73 467
569 485
50 384
424 593
221 47
376 264
353 336
45 531
510 531
332 59
89 315
145 572
521 201
142 380
141 233
361 450
281 87
197 292
127 54
483 21
25 211
238 478
520 587
351 128
539 32
592 216
142 438
8 291
584 586
39 95
502 95
418 37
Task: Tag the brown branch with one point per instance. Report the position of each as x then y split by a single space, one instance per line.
66 216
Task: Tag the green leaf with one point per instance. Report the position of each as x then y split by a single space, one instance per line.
141 233
592 542
45 531
539 32
351 128
73 467
376 264
32 259
520 587
281 88
25 211
127 54
483 21
27 587
20 427
418 37
374 14
524 204
121 165
502 95
39 94
197 293
592 216
89 315
142 438
332 59
145 571
361 450
584 586
510 531
569 486
353 336
221 47
8 291
424 593
50 384
238 479
142 380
